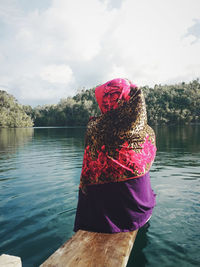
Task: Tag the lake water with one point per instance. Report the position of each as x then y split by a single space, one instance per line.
39 176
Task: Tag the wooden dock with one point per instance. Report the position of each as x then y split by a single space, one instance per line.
89 249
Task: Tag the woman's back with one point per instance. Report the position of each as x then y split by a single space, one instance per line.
115 192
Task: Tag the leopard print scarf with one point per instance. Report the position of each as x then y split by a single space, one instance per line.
119 144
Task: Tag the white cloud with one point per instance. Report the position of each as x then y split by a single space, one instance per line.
48 53
194 31
57 74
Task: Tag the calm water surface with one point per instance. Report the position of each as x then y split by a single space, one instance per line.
39 176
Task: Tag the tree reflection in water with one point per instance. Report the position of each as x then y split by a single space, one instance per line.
12 138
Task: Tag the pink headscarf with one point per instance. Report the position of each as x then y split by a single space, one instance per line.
109 93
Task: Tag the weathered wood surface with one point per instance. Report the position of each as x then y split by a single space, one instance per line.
88 249
10 261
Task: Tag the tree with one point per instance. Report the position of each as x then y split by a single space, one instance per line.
12 114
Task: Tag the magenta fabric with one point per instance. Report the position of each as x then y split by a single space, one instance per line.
115 207
119 144
109 93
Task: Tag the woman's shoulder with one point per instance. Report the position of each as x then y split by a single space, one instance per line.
93 121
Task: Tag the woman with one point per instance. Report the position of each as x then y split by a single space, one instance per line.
115 192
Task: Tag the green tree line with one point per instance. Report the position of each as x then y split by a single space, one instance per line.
173 104
12 114
166 104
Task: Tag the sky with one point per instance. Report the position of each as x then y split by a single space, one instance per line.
50 49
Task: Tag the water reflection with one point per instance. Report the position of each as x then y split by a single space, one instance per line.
63 136
10 139
172 138
58 132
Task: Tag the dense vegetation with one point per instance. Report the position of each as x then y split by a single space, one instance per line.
170 104
166 104
69 111
12 114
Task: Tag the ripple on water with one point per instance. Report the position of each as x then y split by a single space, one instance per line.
39 180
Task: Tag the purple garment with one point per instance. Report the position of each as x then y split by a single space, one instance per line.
115 207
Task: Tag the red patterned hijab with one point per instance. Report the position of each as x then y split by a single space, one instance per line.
119 144
110 93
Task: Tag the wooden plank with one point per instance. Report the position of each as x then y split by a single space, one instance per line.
89 249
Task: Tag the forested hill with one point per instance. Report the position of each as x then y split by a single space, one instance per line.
170 104
12 114
166 104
